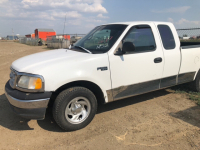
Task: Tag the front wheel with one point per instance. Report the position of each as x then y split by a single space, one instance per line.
74 108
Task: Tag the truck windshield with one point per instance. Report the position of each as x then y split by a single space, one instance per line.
101 38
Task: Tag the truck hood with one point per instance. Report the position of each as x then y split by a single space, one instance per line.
40 60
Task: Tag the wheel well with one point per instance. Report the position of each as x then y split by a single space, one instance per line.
87 84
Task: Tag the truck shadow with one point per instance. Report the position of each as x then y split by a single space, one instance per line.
190 115
130 101
10 120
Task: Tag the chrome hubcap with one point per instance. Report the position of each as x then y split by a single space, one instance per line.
77 110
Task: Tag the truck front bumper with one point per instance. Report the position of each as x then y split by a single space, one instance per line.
27 105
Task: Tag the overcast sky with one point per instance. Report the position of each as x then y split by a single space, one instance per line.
24 16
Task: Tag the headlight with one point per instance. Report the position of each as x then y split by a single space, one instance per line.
32 83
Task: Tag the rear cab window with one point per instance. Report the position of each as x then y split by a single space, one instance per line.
167 37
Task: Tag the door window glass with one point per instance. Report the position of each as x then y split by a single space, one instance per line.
142 38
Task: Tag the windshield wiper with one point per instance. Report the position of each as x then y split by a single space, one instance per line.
84 49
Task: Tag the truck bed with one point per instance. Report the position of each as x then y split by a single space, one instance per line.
186 45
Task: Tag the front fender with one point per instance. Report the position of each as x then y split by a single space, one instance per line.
87 70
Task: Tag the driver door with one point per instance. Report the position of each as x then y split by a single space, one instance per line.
138 71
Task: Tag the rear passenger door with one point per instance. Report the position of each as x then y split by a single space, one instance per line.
138 71
172 55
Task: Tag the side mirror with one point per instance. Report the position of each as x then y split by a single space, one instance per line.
119 52
128 47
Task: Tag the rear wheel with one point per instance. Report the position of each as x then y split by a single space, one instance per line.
195 85
74 108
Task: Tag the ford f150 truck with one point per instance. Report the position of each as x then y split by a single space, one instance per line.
112 62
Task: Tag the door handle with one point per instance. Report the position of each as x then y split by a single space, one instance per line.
158 60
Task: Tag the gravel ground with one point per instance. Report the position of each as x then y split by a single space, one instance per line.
157 120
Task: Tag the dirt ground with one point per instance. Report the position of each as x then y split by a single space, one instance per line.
157 120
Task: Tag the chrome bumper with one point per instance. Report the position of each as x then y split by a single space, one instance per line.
27 104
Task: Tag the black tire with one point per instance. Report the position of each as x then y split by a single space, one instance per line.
62 101
195 85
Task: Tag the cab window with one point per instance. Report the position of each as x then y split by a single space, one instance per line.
142 38
167 37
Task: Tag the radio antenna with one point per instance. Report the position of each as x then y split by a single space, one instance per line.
64 24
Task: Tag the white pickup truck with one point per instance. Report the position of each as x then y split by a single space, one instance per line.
112 62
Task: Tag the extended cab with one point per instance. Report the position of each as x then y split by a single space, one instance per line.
112 62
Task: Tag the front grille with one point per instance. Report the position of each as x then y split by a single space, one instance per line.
13 76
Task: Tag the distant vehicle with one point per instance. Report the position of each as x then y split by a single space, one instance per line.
74 39
186 38
112 62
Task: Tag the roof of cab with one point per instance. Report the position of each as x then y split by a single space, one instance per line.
139 22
